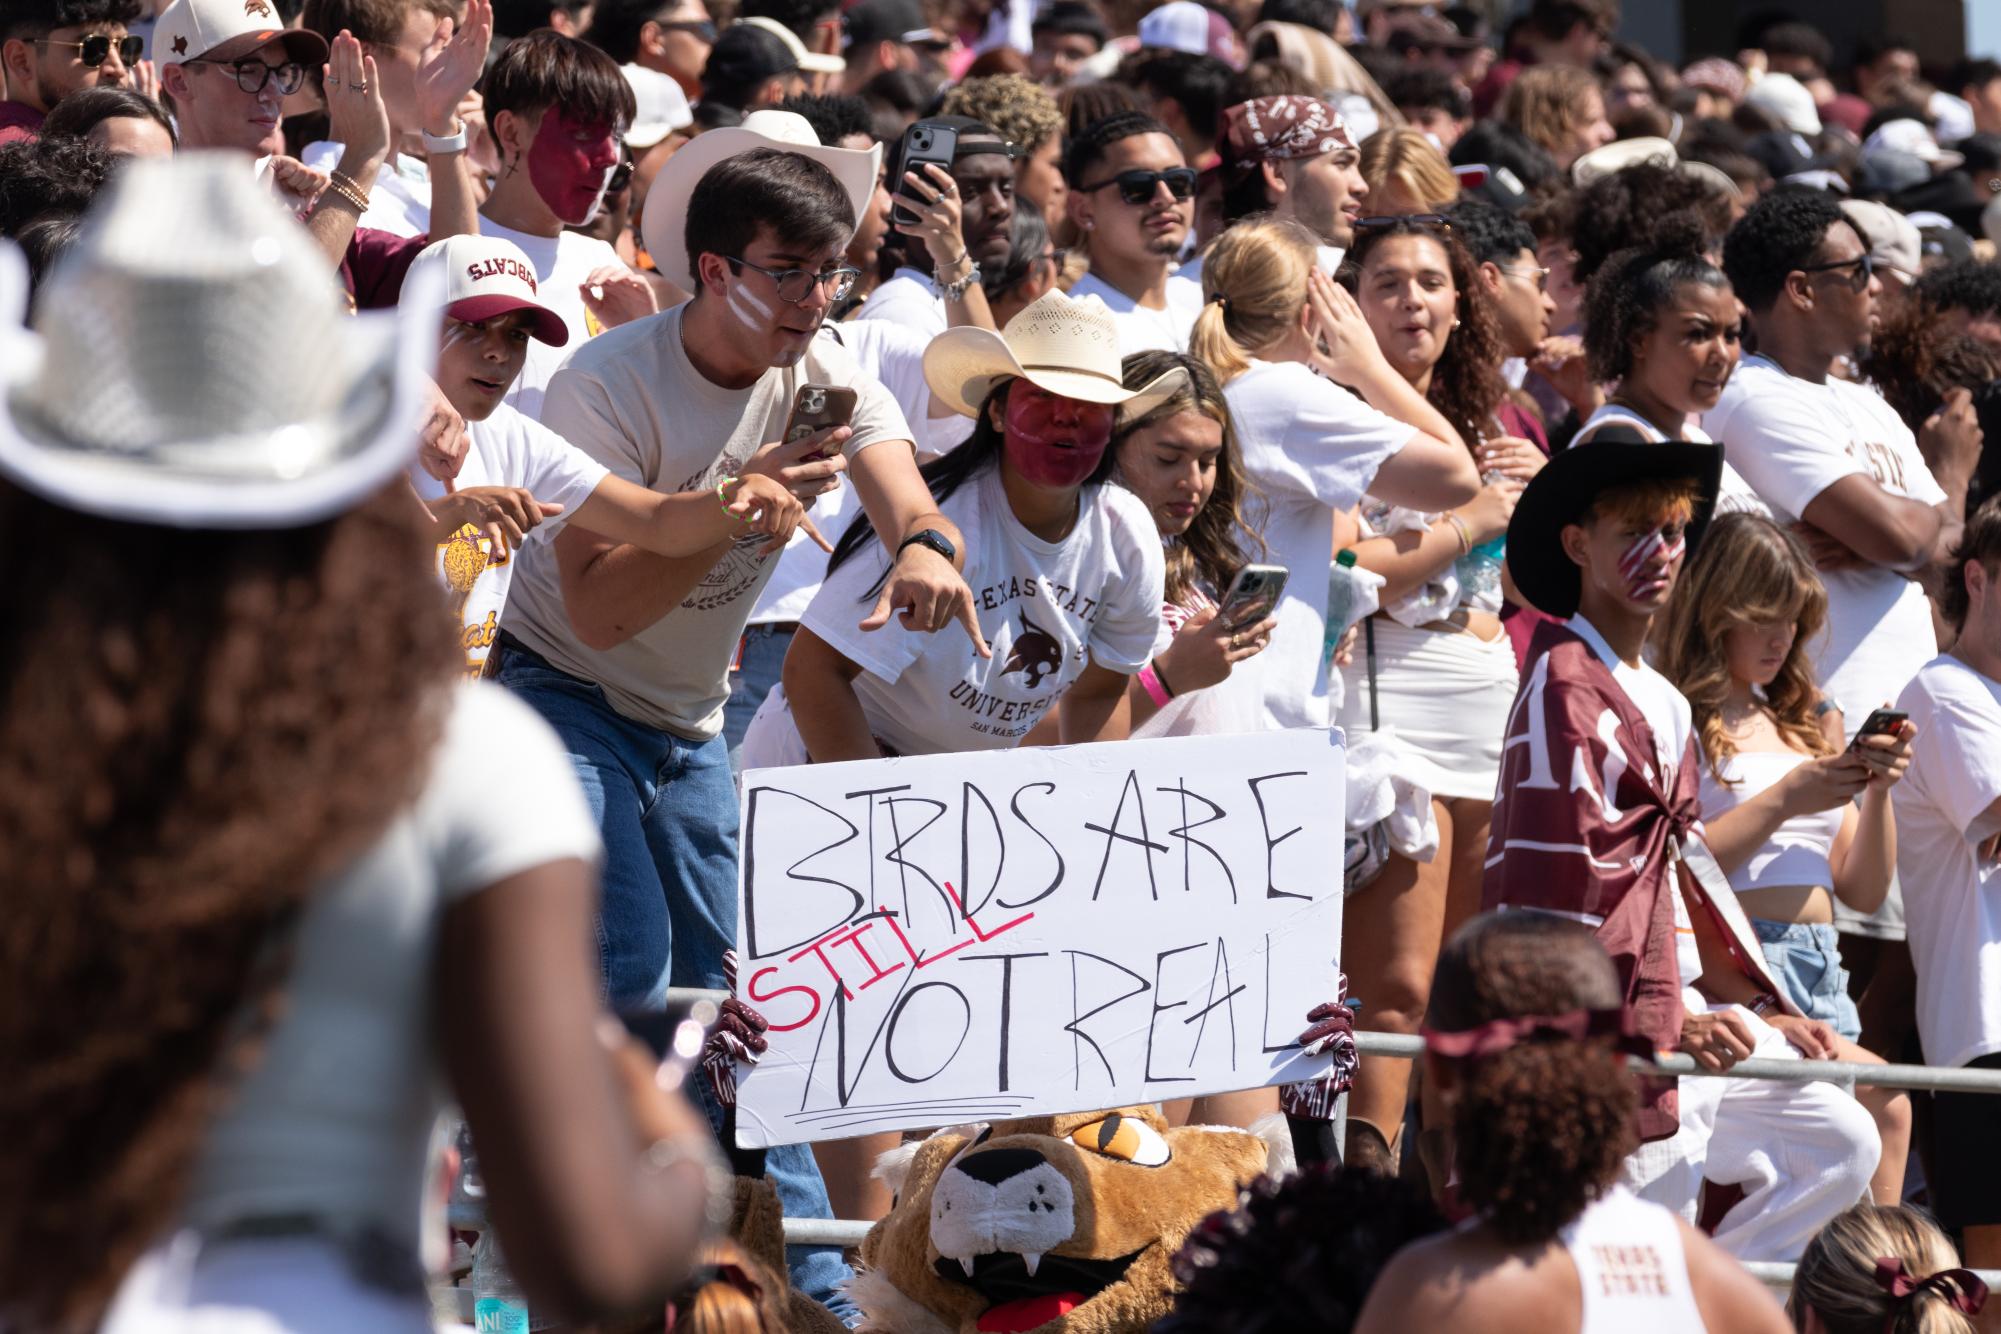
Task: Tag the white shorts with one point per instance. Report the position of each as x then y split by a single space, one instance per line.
1447 695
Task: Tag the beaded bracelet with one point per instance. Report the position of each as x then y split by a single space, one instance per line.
357 202
349 189
724 500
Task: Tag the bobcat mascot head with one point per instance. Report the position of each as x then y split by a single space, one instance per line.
1056 1225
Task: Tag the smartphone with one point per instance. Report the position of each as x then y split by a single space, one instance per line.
1253 595
1879 723
815 408
674 1034
925 141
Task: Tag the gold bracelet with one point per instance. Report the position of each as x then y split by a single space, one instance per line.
1465 533
348 186
347 196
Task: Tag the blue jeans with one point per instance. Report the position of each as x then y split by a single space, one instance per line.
667 810
1804 958
764 648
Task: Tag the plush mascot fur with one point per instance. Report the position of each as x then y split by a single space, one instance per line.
1055 1225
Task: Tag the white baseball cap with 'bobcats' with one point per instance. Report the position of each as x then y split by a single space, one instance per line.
228 30
487 276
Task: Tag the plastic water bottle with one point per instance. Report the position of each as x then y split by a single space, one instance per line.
498 1304
1343 593
1479 570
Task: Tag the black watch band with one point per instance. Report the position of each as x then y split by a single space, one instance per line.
932 540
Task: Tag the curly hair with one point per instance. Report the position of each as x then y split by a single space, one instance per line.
1915 358
1540 1128
1212 550
53 176
1777 235
1296 1254
1967 284
1748 571
1466 383
1020 110
198 727
1635 206
1623 303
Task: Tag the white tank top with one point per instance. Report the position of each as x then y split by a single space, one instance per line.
1798 851
1631 1268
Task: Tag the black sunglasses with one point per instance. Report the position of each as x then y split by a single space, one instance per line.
1396 219
95 48
1864 266
1138 187
701 29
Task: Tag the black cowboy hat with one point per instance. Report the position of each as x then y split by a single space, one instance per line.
1563 491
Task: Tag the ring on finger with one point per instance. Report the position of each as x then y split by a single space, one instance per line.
333 83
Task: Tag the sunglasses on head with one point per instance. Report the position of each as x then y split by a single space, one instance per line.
1414 219
1139 187
94 49
701 29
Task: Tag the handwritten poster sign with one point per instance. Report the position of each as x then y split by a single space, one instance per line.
1018 933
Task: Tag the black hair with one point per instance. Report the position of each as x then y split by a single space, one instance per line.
1964 284
945 474
1428 88
800 16
1627 207
1803 40
1267 78
1778 234
833 116
49 177
1490 233
616 25
1625 298
1973 72
83 110
1872 47
42 243
1321 15
1072 18
1982 542
1199 83
1087 149
1493 144
518 18
766 189
1028 237
1554 19
29 19
546 69
1299 1253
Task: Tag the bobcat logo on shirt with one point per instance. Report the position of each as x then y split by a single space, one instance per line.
1035 655
257 8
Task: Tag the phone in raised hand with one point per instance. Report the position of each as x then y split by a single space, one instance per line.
817 407
1253 595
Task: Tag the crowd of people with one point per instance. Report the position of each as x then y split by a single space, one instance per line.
780 382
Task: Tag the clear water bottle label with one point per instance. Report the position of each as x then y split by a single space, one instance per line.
500 1316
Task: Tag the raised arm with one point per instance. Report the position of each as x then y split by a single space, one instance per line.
358 119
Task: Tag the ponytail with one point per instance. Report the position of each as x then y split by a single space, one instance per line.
1210 343
1254 281
1841 1277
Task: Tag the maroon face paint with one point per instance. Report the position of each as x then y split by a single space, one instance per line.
1649 562
1052 440
570 163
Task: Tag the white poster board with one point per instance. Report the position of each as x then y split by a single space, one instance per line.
1002 934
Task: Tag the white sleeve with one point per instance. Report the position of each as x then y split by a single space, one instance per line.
1785 449
1129 624
556 472
1335 442
504 797
836 612
1958 747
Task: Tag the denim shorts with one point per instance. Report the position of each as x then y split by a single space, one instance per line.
1804 958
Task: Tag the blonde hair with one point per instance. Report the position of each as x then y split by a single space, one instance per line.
1253 287
1405 157
731 1293
1837 1275
1545 102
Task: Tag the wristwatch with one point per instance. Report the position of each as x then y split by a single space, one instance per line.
932 540
450 143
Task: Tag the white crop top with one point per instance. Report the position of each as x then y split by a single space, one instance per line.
1631 1267
1798 851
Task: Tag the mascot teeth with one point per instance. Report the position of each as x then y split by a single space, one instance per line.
1030 1260
966 1263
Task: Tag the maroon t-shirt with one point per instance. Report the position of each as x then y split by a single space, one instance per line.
1520 622
18 122
373 269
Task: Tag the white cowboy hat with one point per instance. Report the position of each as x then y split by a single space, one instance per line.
665 225
193 364
1066 347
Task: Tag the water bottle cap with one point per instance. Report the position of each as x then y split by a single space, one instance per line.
1346 559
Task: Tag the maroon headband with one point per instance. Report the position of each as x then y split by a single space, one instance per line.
1273 129
1961 1288
1498 1035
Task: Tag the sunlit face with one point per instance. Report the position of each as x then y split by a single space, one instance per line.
1050 440
1522 303
1588 129
1628 563
477 362
1754 651
1059 55
1326 193
769 330
1171 465
986 195
397 63
570 162
1407 295
1158 225
1687 357
213 111
1564 289
54 66
1038 182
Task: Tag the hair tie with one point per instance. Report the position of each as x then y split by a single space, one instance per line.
1962 1289
1498 1035
1220 300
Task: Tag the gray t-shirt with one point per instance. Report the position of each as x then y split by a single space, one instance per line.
631 399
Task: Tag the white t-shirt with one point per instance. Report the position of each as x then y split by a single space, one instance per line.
1792 439
334 1120
909 299
507 450
1047 609
1140 328
1734 496
1952 898
401 200
1311 448
631 399
562 262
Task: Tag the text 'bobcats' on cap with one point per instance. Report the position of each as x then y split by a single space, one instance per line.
484 277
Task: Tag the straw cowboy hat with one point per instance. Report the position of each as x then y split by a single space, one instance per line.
665 225
193 365
1066 347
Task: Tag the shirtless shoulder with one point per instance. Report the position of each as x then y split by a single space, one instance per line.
1461 1281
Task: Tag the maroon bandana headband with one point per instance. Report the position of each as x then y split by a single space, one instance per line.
1273 129
1498 1035
1961 1288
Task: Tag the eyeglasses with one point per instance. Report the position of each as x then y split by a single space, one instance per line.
96 47
1137 187
1541 276
1381 220
1864 266
795 285
1058 257
252 75
701 29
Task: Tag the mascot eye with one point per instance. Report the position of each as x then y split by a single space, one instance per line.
1124 1138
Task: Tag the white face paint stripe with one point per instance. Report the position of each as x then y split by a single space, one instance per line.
1643 550
749 307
